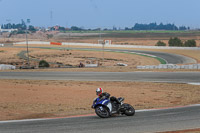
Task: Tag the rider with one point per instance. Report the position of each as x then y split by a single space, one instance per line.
101 95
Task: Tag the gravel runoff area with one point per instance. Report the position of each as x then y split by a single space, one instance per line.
25 99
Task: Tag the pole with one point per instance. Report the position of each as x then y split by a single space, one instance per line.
27 47
103 53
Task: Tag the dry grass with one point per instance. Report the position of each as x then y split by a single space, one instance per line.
74 57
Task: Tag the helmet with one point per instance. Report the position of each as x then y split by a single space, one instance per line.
99 91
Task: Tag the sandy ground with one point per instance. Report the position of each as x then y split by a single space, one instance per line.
184 131
20 99
74 57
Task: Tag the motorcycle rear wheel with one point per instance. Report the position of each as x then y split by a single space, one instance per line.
102 112
130 111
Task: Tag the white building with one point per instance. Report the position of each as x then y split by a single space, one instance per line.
7 30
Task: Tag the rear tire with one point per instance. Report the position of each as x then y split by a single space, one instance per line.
102 112
130 111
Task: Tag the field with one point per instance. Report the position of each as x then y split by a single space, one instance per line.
118 37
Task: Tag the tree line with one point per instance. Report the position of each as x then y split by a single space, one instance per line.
21 27
176 42
155 26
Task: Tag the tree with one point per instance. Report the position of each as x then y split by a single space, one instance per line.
190 43
175 42
75 28
62 29
32 28
160 43
155 26
182 28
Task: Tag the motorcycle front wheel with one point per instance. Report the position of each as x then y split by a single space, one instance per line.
102 112
130 111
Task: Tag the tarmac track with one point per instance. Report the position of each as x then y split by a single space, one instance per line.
172 77
143 122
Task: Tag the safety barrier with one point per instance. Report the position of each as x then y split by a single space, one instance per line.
55 43
7 67
108 45
170 66
33 42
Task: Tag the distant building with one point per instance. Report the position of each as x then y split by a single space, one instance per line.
7 30
56 27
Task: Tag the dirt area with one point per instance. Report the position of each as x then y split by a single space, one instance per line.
184 131
21 99
8 55
74 57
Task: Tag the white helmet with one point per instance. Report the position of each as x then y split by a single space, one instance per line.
99 91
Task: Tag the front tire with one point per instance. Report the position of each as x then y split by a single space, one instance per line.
130 111
102 112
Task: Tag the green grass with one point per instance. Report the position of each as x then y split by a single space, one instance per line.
134 31
153 34
2 51
162 61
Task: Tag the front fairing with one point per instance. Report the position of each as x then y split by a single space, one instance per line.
105 102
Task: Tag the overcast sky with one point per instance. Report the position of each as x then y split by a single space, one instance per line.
101 13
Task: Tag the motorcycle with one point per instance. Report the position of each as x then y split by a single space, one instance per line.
107 107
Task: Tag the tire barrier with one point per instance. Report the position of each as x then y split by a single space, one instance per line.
7 67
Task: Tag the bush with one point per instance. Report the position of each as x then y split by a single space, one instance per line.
175 42
160 43
43 63
49 36
190 43
21 32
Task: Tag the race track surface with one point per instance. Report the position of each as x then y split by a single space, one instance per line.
168 57
172 77
142 122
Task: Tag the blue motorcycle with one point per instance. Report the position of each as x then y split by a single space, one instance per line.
107 107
